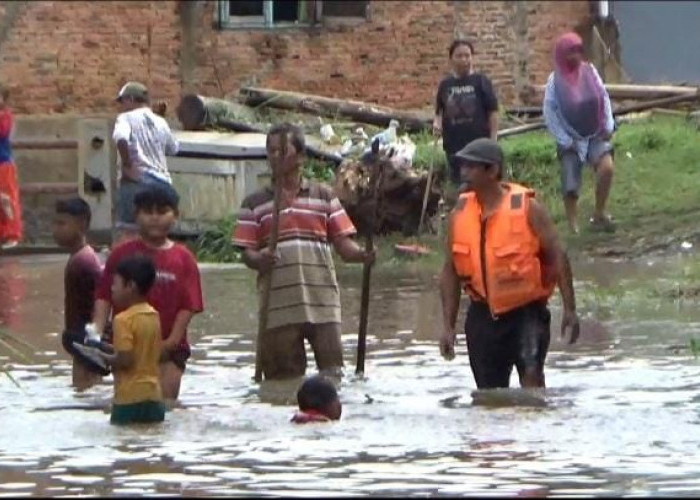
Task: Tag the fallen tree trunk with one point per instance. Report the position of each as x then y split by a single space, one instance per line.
629 91
326 106
197 112
657 103
622 110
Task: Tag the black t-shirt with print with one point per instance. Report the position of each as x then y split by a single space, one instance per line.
465 104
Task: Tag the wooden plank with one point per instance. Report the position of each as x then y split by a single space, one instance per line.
206 166
94 165
45 144
222 144
49 188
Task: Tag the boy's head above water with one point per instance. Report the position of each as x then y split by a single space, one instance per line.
318 394
133 278
71 221
156 211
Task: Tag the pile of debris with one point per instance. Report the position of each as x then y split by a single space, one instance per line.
398 204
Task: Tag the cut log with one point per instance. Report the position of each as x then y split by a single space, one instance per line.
657 103
197 112
629 91
329 107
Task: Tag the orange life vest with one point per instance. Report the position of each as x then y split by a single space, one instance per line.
498 258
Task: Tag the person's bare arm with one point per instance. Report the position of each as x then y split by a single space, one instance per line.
450 294
121 360
556 265
182 320
259 260
350 251
100 314
128 169
493 124
437 124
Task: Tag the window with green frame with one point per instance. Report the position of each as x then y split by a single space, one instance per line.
286 13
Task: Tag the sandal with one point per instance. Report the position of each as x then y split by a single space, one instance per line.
604 224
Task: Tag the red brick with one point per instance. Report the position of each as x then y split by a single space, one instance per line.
396 58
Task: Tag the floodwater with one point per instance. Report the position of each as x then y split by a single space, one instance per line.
621 416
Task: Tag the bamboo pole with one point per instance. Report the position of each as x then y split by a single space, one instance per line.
367 267
272 247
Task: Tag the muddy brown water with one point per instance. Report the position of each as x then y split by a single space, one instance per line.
621 414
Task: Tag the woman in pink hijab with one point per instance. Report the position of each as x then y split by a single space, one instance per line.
578 114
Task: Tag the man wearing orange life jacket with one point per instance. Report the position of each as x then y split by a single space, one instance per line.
503 249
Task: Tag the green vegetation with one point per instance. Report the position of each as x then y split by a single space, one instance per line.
214 244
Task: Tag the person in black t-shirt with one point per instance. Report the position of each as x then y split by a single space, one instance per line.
466 107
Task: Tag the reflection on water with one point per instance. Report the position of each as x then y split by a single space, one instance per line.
620 416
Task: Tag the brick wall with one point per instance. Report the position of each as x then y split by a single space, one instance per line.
73 56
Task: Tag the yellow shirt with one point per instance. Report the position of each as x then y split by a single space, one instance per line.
137 329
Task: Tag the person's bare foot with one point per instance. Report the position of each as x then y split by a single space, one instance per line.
603 223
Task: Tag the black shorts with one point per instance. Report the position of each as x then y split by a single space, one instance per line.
517 338
179 357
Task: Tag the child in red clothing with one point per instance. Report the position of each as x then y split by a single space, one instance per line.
177 292
10 208
318 401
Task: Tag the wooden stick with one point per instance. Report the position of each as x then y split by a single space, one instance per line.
367 268
428 182
267 278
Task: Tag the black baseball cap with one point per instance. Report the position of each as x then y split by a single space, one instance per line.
482 150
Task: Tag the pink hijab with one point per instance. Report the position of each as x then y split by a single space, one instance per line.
579 95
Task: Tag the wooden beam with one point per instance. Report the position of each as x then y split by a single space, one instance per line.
49 188
42 144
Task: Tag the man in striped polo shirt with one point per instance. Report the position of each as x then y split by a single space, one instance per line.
304 295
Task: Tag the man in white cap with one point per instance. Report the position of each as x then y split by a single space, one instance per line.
143 140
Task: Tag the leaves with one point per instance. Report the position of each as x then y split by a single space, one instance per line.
214 244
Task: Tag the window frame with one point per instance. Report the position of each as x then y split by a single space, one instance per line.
225 21
341 19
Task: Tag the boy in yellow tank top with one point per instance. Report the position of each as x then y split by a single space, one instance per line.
137 345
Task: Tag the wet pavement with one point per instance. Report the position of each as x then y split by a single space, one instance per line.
621 414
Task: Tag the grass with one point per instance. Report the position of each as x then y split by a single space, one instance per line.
654 193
